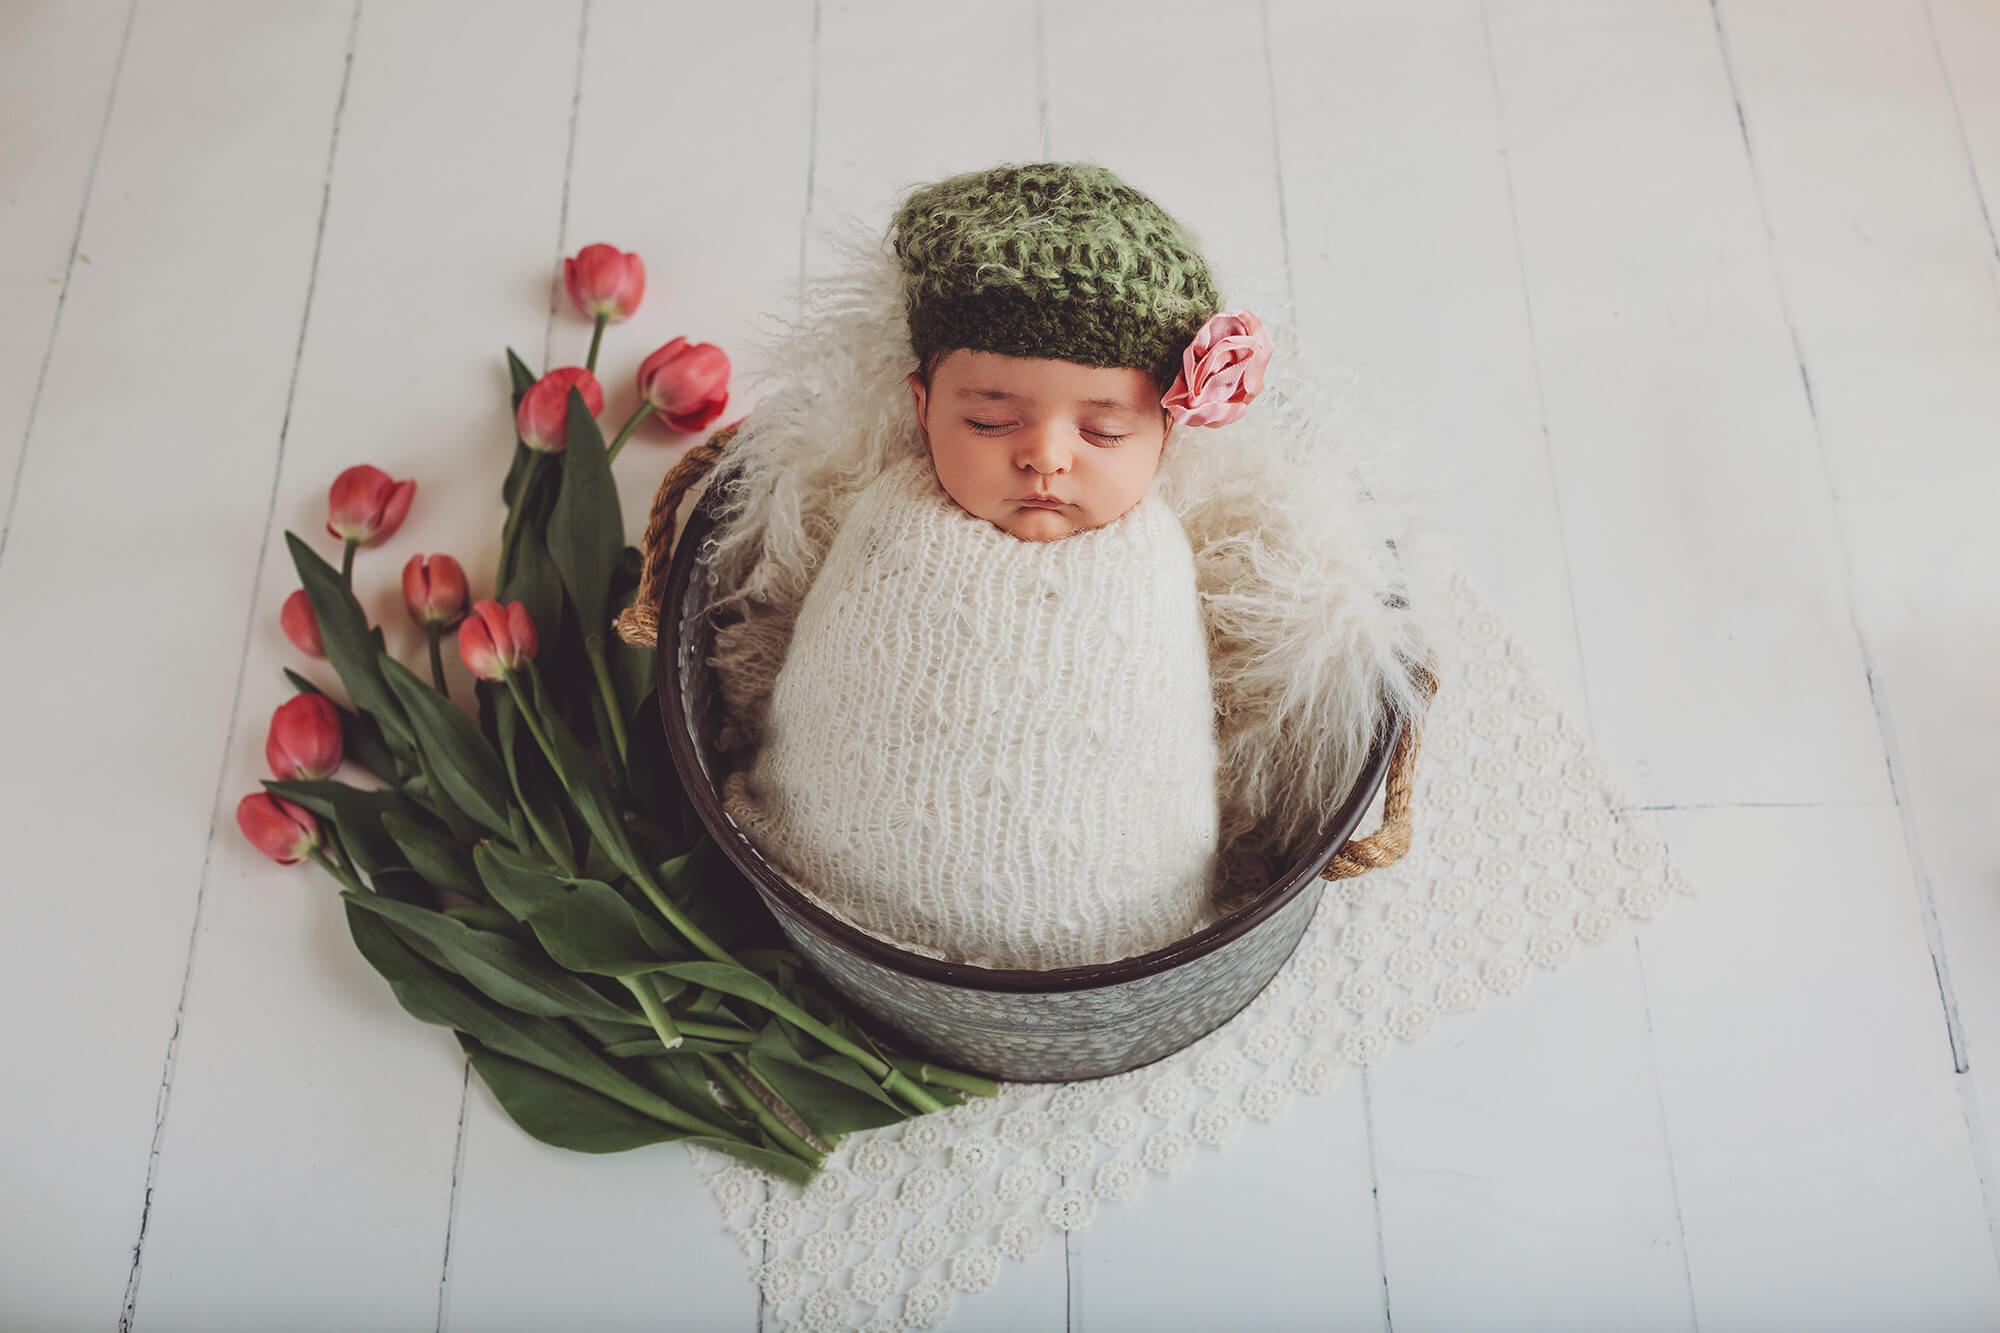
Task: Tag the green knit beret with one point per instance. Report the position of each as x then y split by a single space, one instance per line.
1050 259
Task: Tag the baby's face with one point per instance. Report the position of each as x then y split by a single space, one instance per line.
1004 430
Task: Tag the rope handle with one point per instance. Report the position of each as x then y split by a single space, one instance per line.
1386 845
639 623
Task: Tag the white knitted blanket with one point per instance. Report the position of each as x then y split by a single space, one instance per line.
991 750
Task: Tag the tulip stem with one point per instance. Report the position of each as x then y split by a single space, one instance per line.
946 1078
625 432
753 1106
596 337
534 722
593 647
642 990
347 563
437 659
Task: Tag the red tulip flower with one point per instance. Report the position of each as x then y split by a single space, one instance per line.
544 412
301 626
304 744
434 590
365 505
687 383
282 831
605 281
497 640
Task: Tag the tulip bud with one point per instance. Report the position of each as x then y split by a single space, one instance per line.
366 506
604 280
301 626
544 412
687 383
434 590
304 744
282 831
495 640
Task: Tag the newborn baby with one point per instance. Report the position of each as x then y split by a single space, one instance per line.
992 739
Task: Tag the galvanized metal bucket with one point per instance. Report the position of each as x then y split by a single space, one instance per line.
1068 1023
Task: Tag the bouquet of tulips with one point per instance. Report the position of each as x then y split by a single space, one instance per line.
534 877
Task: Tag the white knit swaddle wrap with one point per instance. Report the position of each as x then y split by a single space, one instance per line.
990 750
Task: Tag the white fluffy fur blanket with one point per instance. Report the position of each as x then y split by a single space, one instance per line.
1311 620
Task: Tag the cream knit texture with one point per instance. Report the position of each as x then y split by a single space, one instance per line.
989 750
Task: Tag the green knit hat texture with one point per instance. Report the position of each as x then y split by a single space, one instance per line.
1050 259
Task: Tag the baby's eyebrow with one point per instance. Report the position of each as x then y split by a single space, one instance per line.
1001 395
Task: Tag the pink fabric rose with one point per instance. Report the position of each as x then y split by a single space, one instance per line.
1221 371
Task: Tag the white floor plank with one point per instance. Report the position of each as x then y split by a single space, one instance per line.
1701 538
138 522
548 1239
57 68
1886 280
1526 1181
1278 1231
314 1121
1819 1140
1966 37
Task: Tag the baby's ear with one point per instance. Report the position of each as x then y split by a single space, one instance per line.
918 392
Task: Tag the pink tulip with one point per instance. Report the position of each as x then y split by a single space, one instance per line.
434 590
282 831
687 383
304 744
604 280
366 506
496 640
301 626
543 416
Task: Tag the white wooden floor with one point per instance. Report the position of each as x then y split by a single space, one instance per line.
1683 318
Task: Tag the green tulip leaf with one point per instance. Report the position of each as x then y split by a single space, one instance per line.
560 1113
441 860
586 527
459 757
350 646
532 579
527 772
585 783
730 980
435 997
502 968
585 924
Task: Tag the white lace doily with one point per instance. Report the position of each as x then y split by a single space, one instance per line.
1523 853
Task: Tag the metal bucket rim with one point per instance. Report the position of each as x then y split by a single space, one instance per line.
780 893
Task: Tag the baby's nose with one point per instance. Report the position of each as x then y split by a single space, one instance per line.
1043 449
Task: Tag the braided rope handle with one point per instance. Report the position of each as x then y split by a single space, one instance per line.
639 623
1386 845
